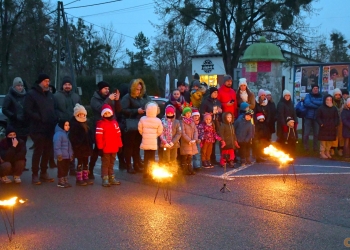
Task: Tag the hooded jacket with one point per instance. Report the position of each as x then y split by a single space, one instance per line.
150 127
244 129
12 154
328 119
61 144
65 102
312 102
39 106
131 103
13 108
250 101
227 132
175 131
285 109
82 141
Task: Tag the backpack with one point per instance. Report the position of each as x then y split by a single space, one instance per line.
300 109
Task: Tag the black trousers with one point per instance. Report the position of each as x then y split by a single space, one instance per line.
149 157
41 153
63 167
131 147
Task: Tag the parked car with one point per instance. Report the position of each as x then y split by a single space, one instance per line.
3 118
161 103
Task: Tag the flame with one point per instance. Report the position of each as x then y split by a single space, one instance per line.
10 202
278 155
160 173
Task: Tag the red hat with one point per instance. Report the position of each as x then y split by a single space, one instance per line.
106 108
195 112
260 116
169 109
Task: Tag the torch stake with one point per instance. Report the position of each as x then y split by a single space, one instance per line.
166 192
285 172
225 188
9 223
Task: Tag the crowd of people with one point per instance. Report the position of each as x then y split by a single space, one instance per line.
123 122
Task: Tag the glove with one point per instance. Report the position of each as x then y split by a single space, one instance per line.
171 144
167 145
223 144
59 157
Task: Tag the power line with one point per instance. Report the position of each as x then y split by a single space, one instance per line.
101 27
130 8
93 4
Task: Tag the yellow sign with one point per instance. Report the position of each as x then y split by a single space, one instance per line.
251 67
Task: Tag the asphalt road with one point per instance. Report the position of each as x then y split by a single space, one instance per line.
261 211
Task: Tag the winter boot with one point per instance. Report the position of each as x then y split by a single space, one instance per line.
190 169
331 152
323 155
66 181
79 179
112 180
46 178
328 154
86 177
105 181
340 152
61 183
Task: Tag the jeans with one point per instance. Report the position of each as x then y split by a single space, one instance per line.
196 162
310 124
149 157
41 153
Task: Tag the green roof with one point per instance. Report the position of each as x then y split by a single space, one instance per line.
262 51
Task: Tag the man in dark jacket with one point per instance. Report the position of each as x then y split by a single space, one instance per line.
100 97
39 106
65 100
312 102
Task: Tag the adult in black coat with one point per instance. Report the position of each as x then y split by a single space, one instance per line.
13 153
39 106
285 109
13 108
328 119
273 111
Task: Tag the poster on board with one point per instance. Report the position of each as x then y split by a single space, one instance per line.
335 76
305 77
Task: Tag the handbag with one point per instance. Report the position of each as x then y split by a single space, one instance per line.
131 124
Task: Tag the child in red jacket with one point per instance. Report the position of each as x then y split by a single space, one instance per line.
108 139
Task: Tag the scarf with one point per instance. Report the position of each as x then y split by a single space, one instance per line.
167 135
187 120
244 95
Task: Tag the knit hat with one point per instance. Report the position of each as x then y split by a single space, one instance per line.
169 109
267 92
66 79
102 85
260 116
348 101
227 78
42 77
106 108
196 76
286 92
186 110
249 112
345 91
212 89
179 83
196 83
243 106
242 81
10 129
61 123
206 115
314 85
17 81
337 91
195 112
79 109
289 120
261 92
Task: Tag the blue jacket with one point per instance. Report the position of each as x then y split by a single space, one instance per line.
244 129
61 144
312 103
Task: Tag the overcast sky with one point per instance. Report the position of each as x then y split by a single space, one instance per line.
129 17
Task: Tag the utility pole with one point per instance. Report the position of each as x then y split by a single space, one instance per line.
58 43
